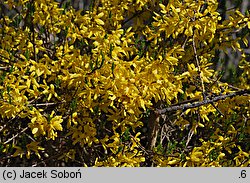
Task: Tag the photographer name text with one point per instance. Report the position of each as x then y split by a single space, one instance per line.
43 174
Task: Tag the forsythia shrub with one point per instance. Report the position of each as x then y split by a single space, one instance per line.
124 83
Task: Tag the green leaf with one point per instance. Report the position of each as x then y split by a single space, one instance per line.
126 134
110 50
73 104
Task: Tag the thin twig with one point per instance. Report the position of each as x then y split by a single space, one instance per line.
229 85
11 119
185 42
6 142
138 143
33 32
132 17
34 100
5 68
30 137
190 134
45 104
199 69
166 132
217 109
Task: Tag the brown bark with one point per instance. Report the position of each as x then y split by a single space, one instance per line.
153 129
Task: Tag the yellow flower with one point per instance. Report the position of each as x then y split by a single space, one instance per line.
33 146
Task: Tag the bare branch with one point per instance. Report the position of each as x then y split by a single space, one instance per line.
5 68
46 104
200 103
15 136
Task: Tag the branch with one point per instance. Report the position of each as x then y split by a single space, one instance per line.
45 104
33 31
6 142
199 69
5 68
132 17
200 103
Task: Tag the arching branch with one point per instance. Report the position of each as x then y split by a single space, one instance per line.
200 103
